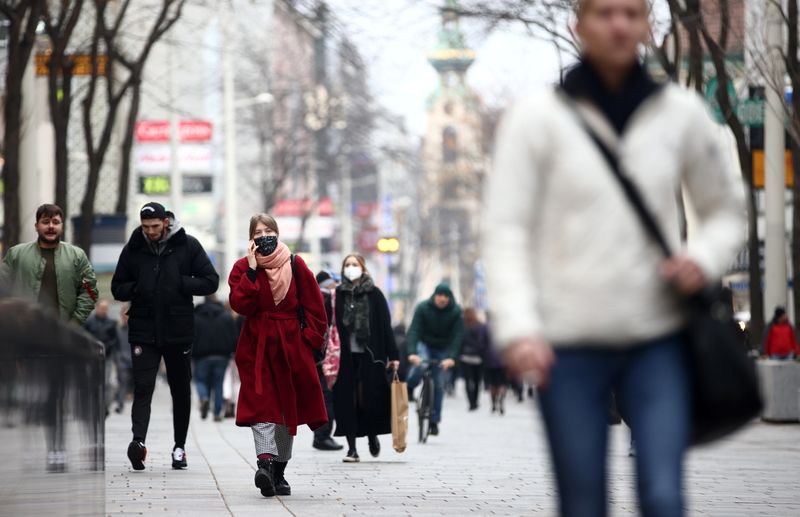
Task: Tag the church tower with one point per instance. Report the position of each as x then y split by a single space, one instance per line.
454 163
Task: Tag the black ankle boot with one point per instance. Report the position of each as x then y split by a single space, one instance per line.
281 485
265 477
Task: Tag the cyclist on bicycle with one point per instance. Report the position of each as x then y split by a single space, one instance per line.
436 332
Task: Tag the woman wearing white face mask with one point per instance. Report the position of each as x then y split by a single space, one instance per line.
361 395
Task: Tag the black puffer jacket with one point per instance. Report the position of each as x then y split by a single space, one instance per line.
215 331
160 281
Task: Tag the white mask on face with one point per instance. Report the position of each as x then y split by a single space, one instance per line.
353 273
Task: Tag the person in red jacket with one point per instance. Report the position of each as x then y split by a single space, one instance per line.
285 324
781 342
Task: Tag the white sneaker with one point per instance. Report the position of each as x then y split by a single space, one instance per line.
178 458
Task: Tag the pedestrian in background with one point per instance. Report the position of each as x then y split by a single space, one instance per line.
362 395
104 329
285 324
231 383
214 345
322 436
123 361
436 332
473 348
495 375
583 301
160 269
400 341
781 341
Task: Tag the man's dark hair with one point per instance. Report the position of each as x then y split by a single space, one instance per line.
48 210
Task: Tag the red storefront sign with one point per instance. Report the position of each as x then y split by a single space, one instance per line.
159 131
152 131
194 130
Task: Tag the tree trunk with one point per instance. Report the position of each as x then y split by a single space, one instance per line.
87 207
716 50
12 113
127 147
21 38
60 108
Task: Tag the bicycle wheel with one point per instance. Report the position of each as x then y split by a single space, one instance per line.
425 408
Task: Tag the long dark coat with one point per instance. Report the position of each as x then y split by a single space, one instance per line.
364 408
276 365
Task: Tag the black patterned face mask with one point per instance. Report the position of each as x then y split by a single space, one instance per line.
266 244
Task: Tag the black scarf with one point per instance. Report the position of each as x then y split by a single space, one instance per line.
583 82
356 307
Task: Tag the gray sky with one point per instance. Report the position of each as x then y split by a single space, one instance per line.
394 37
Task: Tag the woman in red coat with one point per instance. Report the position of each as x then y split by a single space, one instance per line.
280 387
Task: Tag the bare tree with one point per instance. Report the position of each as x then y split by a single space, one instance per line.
60 27
107 37
23 17
544 19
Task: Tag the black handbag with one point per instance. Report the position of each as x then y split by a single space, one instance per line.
724 387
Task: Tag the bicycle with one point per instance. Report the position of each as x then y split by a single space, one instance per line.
425 400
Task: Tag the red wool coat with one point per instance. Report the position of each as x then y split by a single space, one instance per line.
276 364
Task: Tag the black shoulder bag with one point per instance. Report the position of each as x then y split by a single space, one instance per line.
724 387
319 355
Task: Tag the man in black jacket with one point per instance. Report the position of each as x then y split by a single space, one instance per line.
159 271
215 342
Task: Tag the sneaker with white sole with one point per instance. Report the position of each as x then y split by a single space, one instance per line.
178 458
137 452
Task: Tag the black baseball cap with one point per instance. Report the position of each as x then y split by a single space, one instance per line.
153 210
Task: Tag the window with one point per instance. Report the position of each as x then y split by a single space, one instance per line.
449 145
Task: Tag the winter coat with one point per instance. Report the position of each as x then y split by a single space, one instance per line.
104 329
781 340
491 356
160 287
567 259
215 331
474 345
442 329
24 265
274 356
369 386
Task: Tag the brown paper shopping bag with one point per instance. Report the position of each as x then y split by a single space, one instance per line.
399 414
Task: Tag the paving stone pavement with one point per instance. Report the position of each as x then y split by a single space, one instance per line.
481 464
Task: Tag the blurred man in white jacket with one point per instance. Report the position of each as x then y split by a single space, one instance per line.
583 300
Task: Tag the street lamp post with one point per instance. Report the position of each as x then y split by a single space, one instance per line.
229 107
776 291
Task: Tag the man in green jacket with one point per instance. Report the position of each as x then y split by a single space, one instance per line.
436 332
56 274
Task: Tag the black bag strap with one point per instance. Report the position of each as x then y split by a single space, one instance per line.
301 312
628 187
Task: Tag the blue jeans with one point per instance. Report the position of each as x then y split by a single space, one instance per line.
415 376
209 374
652 388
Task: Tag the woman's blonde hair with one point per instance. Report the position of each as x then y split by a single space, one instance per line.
265 219
361 262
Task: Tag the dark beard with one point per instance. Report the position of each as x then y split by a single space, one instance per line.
42 240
